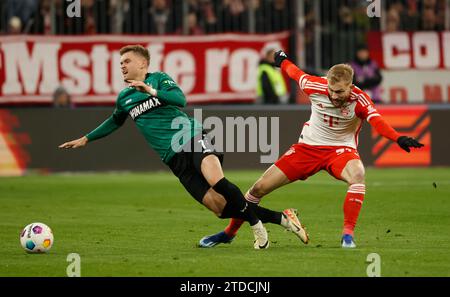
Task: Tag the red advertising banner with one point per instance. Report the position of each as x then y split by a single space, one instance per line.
211 68
415 66
413 121
410 50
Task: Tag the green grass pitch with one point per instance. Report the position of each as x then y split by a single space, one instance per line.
148 225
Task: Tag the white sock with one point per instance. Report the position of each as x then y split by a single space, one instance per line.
258 225
284 221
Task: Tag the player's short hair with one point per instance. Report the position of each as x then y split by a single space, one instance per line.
138 49
340 73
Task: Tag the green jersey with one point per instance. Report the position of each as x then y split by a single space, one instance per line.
165 127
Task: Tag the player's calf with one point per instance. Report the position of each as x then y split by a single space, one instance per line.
237 206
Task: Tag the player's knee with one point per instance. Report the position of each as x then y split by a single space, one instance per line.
358 177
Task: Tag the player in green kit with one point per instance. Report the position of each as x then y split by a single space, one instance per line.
153 101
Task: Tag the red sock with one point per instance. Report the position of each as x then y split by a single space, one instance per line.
233 227
352 206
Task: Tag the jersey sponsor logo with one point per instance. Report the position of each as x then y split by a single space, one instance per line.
151 103
169 82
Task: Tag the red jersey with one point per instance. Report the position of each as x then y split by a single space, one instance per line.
335 126
330 125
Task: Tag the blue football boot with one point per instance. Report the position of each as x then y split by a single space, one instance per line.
213 240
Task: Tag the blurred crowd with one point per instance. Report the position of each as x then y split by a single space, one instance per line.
215 16
339 27
413 15
146 16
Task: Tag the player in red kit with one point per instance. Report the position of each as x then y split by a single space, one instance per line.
328 142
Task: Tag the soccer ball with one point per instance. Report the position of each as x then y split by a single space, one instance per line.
36 238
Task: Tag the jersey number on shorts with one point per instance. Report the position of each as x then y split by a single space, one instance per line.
205 150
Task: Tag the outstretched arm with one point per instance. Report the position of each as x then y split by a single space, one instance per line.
304 80
384 129
281 60
80 142
111 124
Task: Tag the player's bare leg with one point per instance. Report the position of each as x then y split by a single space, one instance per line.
354 174
214 202
236 205
271 179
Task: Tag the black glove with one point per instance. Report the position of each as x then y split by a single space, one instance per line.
406 142
279 57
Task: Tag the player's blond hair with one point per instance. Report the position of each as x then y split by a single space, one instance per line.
340 73
138 49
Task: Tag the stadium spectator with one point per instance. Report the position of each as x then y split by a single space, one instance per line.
103 14
14 25
343 35
443 18
260 13
362 22
428 20
25 10
136 18
234 16
193 6
280 16
410 18
209 17
270 87
309 36
193 27
393 20
62 98
367 75
160 18
90 24
115 13
43 23
433 16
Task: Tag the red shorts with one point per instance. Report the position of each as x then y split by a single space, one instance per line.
302 160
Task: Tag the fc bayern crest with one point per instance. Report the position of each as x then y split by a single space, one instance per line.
345 111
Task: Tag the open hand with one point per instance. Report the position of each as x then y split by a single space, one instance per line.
80 142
